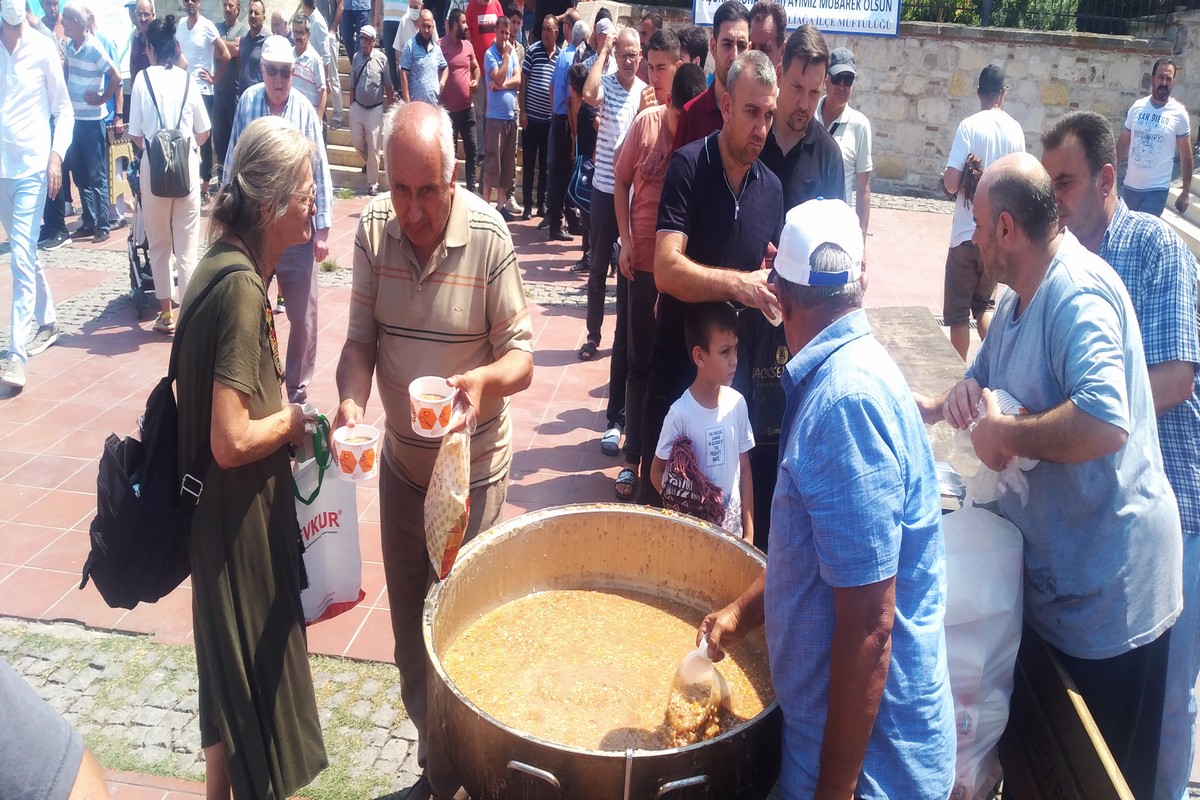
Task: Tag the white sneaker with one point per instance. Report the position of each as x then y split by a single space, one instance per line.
45 336
513 207
14 372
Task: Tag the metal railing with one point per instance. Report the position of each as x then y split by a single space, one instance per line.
1141 18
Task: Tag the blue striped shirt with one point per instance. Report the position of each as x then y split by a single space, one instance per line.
537 71
299 112
86 71
1160 274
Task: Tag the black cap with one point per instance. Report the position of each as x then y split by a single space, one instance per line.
991 80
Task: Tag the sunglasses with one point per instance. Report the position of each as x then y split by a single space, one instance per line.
845 79
273 71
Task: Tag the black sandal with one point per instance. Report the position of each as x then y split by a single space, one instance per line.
625 485
588 351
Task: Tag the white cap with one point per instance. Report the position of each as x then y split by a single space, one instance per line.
807 227
368 31
604 27
278 50
13 11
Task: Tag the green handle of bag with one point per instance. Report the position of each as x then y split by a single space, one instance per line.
324 457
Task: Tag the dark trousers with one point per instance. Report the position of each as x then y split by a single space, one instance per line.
441 10
89 165
643 294
1125 695
604 236
389 36
671 373
352 23
206 149
534 144
224 109
54 217
560 164
463 124
618 365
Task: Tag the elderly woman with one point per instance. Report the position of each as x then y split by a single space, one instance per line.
258 713
162 98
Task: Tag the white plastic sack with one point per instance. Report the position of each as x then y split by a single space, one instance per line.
984 555
327 511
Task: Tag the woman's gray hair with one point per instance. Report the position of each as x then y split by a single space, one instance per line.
270 157
580 32
76 11
756 64
438 127
843 297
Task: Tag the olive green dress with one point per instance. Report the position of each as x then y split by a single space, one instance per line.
256 689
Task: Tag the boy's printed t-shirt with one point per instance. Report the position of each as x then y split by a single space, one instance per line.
719 437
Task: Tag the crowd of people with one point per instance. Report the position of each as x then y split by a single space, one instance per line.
732 213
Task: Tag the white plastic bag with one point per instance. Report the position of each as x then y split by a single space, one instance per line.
327 510
984 567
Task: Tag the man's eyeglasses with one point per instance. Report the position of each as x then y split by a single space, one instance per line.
273 71
845 79
629 56
307 199
145 15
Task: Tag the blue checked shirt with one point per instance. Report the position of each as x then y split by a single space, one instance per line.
1160 274
299 112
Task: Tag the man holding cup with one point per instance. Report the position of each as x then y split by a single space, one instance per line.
437 291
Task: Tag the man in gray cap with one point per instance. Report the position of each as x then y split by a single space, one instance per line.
296 269
370 87
988 134
851 129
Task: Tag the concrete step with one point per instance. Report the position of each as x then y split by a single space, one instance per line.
344 156
1188 225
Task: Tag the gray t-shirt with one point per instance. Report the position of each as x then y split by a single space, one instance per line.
1103 546
40 752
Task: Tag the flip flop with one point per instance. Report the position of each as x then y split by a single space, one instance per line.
625 485
610 442
588 351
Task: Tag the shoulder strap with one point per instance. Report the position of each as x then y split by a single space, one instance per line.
183 319
153 99
187 84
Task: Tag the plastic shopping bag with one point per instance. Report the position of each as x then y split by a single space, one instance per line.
984 566
448 498
327 511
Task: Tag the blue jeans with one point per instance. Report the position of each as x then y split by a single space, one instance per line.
352 23
21 201
89 165
1148 201
1183 666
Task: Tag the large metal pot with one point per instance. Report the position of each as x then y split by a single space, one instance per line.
595 546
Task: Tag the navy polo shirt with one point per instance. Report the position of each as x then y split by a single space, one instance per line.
722 230
811 169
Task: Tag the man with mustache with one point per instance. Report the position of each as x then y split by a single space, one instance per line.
1154 127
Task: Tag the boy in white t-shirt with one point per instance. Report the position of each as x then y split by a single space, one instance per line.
712 417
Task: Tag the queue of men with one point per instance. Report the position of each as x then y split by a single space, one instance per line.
754 191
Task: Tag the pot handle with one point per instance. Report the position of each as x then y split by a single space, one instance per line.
541 774
684 783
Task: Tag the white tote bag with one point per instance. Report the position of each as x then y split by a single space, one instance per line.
327 511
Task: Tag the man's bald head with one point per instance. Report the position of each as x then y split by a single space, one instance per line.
1019 185
425 130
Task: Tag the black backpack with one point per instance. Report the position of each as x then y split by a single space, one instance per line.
143 508
169 151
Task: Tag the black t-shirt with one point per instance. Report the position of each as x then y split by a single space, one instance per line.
585 129
542 8
811 169
722 230
249 61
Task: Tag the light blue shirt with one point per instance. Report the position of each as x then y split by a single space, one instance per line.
1103 547
501 103
424 66
856 503
110 48
558 81
299 112
87 68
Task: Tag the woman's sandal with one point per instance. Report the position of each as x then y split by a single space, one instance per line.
588 351
626 484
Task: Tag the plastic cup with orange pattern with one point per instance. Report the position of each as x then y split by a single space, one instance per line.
356 452
430 400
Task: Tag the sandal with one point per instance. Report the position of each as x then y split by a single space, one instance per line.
610 442
588 351
625 485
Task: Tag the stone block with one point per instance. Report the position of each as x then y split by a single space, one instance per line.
893 107
933 110
972 58
1054 94
890 166
914 85
962 84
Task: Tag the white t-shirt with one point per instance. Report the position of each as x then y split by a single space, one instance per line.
852 131
1154 138
719 437
168 90
196 45
990 135
308 76
616 112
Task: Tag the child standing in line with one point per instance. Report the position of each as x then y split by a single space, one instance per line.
702 464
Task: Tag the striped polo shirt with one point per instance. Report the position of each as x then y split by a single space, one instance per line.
537 70
617 112
87 68
464 309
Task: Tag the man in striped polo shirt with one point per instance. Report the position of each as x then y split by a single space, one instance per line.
536 113
92 79
437 291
